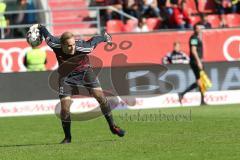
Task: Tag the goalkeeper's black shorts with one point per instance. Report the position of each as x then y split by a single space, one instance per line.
196 70
70 84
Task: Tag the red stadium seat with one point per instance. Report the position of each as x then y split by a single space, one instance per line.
233 20
130 25
66 17
201 5
191 5
214 20
194 20
99 1
153 23
206 6
115 26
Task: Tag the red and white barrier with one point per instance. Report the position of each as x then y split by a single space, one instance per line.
138 48
29 108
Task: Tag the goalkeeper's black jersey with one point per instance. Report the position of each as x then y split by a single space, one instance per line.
82 48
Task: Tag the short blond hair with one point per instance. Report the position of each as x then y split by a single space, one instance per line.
65 36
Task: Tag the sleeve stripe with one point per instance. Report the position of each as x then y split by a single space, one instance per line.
52 44
82 49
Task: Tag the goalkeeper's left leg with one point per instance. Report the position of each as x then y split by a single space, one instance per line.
98 94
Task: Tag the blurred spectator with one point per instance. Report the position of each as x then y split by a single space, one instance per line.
142 26
204 21
180 17
31 17
176 56
162 2
165 12
174 1
170 4
102 12
132 7
23 18
224 7
167 3
97 2
4 22
35 59
150 8
118 4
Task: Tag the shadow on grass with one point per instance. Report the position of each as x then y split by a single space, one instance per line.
52 144
27 145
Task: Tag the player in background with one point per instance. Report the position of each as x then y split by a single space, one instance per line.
196 55
176 56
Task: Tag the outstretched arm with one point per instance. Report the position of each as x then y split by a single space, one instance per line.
88 46
51 41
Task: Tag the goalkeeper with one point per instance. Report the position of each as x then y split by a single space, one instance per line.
66 48
196 54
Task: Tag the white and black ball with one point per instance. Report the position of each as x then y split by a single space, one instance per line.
34 38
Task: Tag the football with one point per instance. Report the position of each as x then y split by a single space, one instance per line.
34 38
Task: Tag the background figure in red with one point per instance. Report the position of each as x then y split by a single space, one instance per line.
180 17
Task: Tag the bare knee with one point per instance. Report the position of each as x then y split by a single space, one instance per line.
98 94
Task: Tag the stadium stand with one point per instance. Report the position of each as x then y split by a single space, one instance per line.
206 6
3 20
191 5
194 19
69 20
153 23
115 26
130 25
76 16
233 20
214 20
195 8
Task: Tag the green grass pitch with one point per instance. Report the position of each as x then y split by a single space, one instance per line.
199 133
